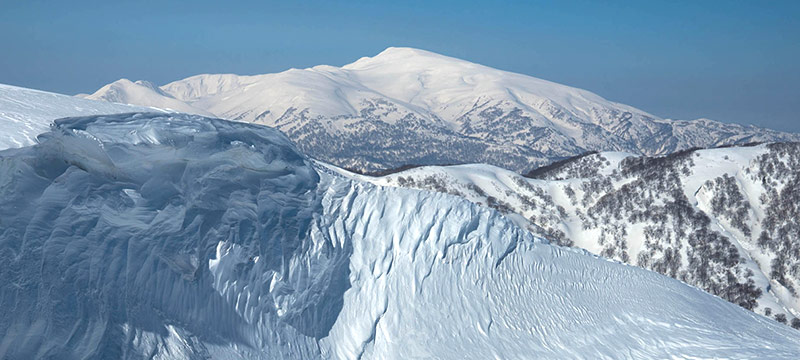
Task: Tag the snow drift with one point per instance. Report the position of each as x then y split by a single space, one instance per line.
177 236
26 113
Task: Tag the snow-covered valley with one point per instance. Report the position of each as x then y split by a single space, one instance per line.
177 236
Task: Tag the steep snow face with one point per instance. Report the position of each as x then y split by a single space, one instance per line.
408 106
26 113
176 236
124 91
724 220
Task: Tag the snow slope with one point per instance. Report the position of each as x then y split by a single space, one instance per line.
721 219
144 93
177 236
26 113
409 106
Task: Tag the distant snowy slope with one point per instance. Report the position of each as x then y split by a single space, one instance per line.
26 113
726 220
176 236
410 106
142 93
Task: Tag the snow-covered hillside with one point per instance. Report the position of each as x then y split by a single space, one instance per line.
144 93
176 236
408 106
26 113
726 220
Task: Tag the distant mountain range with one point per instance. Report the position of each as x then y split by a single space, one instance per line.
409 106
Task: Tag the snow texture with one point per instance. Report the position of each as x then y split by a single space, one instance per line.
176 236
144 93
722 219
26 113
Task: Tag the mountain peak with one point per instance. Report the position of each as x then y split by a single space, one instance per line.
143 93
393 51
405 56
446 110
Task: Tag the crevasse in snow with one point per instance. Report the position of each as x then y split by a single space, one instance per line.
177 236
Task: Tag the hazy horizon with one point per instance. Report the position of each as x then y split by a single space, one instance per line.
733 62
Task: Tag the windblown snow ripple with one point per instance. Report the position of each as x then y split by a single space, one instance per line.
151 236
110 223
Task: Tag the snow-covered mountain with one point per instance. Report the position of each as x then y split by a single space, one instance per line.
726 220
26 113
176 236
142 93
409 106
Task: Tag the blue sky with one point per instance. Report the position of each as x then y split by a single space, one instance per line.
735 61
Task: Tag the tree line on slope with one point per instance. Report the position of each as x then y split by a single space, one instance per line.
679 240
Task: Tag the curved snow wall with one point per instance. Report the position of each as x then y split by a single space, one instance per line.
175 236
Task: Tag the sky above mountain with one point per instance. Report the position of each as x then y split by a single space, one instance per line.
735 62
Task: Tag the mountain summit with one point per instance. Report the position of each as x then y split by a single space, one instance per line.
407 106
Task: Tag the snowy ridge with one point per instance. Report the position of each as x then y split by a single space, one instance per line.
444 110
721 219
26 113
177 236
144 93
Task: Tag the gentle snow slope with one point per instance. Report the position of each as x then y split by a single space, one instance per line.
25 113
410 106
175 236
143 93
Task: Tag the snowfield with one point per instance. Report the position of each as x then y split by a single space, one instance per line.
177 236
26 113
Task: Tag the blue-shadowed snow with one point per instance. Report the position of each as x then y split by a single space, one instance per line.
177 236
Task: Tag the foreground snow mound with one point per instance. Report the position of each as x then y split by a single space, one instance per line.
26 113
177 236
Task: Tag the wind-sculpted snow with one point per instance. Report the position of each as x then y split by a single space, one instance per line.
26 113
176 236
724 220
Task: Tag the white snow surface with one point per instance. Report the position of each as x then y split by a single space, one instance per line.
26 113
508 188
144 93
176 236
